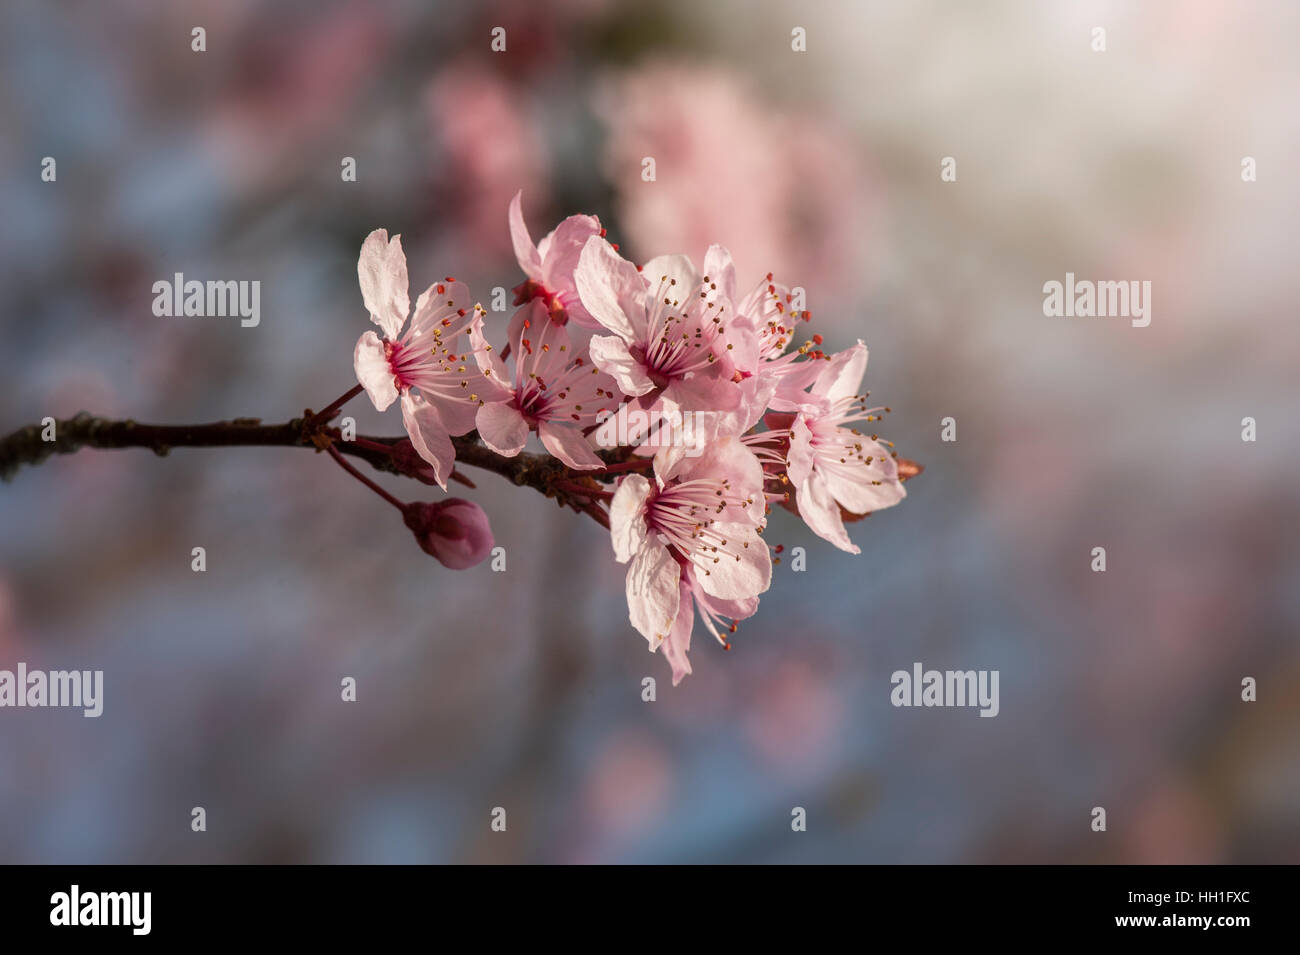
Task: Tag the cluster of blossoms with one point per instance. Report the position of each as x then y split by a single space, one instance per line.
663 377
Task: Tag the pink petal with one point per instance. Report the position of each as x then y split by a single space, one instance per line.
502 428
735 609
743 337
370 362
674 268
441 300
627 516
381 270
562 249
842 375
609 286
855 490
699 429
678 640
628 423
429 436
610 354
721 271
799 459
704 391
568 443
730 459
653 596
525 252
731 579
821 512
488 358
791 384
458 415
755 395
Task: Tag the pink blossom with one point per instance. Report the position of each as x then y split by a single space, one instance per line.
692 537
305 91
557 391
488 145
455 531
769 309
440 390
673 443
784 189
550 264
676 336
833 466
766 374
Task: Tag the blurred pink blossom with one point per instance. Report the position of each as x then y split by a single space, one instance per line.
630 784
794 715
488 150
287 94
784 191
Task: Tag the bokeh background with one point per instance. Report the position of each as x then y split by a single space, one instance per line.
522 690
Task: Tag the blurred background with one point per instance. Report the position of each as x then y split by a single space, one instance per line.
523 689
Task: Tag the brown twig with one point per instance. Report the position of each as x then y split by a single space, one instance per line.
548 475
26 446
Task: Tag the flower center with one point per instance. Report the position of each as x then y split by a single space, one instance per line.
842 449
684 334
704 521
426 356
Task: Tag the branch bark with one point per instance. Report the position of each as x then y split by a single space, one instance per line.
26 447
545 474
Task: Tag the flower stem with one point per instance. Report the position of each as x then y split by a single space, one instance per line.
333 408
369 445
572 487
342 462
635 464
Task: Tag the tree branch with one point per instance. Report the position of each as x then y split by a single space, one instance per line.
576 489
26 447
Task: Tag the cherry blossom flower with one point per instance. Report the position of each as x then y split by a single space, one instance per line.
769 308
676 336
550 264
557 391
455 531
440 389
693 533
833 466
697 366
763 372
681 367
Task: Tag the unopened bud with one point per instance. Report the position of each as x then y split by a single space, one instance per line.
455 531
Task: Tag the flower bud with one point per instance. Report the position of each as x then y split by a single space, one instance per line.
455 531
